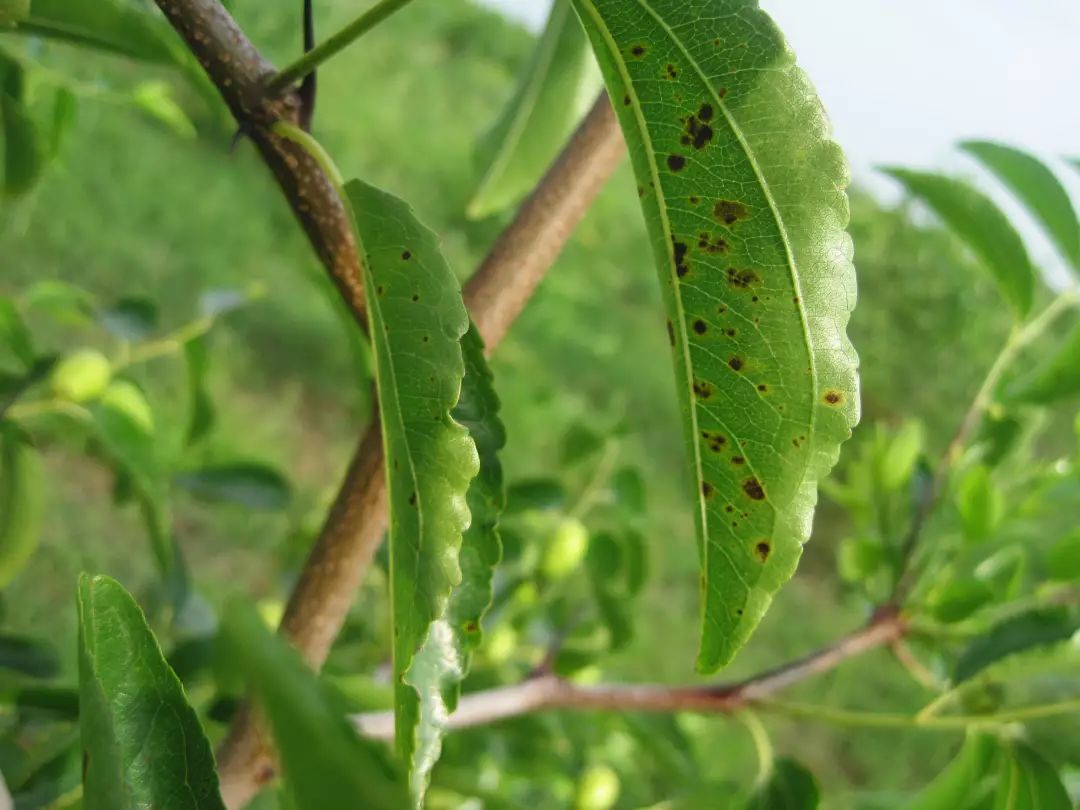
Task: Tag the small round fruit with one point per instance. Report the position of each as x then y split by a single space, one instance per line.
81 376
598 789
565 550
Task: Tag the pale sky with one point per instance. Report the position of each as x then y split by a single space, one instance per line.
903 80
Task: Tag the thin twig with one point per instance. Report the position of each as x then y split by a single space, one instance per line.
495 295
550 692
1019 339
334 45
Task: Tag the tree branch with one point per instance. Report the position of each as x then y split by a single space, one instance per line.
550 692
495 295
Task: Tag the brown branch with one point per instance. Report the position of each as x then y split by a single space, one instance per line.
495 295
550 692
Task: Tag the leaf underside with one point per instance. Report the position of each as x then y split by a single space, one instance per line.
143 745
743 193
417 320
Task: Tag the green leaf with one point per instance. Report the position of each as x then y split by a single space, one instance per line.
1029 782
1036 628
326 764
965 780
110 25
1038 188
1063 559
1057 378
201 411
21 496
131 318
251 484
16 343
481 548
974 217
789 787
980 503
155 99
959 599
143 745
65 109
744 201
901 455
28 656
535 494
417 321
611 576
533 126
24 151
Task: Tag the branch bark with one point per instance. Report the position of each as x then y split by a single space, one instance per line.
549 692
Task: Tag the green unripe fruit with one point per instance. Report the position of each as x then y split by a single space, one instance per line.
81 376
565 550
598 789
126 398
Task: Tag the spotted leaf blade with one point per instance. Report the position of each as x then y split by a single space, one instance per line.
417 321
743 193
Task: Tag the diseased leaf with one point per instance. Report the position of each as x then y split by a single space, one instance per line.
1038 188
326 764
143 745
21 495
531 129
744 200
417 321
977 220
254 485
790 787
965 781
1037 628
481 548
1029 782
110 25
1057 378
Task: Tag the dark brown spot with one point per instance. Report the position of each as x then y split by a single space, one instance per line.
741 278
425 338
752 487
702 389
638 51
695 199
711 244
670 333
707 489
736 363
670 71
697 132
763 549
738 461
679 253
700 326
721 92
676 162
626 100
412 499
762 387
714 441
380 290
730 332
833 397
755 299
406 255
729 508
739 612
415 297
706 112
729 212
471 627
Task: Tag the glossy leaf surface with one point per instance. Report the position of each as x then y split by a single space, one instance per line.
743 193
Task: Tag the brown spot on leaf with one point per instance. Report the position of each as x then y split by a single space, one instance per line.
676 162
729 212
626 100
736 363
738 461
670 71
703 390
412 499
700 327
714 441
707 489
697 132
712 244
406 255
763 549
694 199
679 253
741 278
833 397
670 333
752 487
762 387
638 51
